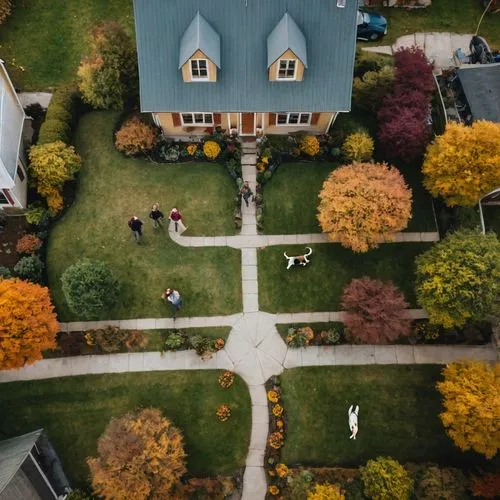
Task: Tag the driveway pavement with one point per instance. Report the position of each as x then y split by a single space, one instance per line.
438 47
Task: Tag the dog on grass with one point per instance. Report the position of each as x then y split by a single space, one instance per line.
353 420
296 260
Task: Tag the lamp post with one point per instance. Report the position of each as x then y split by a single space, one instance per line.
483 228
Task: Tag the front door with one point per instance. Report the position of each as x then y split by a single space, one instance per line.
247 123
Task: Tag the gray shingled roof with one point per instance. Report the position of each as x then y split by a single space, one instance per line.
13 453
242 82
481 85
286 35
199 35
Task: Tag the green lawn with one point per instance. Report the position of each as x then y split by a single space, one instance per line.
75 410
442 15
291 199
398 416
43 42
319 286
112 188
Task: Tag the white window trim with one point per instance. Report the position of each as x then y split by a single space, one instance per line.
194 124
294 70
199 78
298 124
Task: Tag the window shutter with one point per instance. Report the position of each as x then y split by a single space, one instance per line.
176 118
217 118
315 118
272 118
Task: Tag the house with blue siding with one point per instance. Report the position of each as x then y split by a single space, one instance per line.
248 66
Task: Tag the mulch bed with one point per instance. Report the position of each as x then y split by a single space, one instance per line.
15 227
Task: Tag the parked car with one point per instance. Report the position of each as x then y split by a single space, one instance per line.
371 25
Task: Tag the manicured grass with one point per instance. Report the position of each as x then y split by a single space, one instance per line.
319 286
442 15
75 410
43 42
291 199
398 416
112 188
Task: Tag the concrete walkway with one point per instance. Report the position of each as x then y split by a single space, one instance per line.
42 98
254 349
438 47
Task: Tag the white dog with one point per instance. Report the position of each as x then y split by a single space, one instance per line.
353 421
298 259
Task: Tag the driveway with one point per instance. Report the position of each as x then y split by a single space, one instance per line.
438 47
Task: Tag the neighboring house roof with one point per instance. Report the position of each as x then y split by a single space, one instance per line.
11 127
13 453
286 35
199 35
242 82
481 86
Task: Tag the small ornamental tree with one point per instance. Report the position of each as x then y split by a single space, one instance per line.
363 204
326 492
369 90
471 405
89 288
486 486
358 146
28 324
29 243
375 312
444 483
413 71
385 478
309 145
140 456
53 164
108 77
462 165
136 137
458 279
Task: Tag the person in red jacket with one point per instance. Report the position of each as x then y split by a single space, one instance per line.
176 217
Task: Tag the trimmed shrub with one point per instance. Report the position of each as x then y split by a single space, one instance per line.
326 492
5 10
363 204
54 130
309 145
358 147
413 71
486 486
5 272
89 288
444 483
29 243
211 149
29 268
369 61
108 77
385 478
136 137
376 312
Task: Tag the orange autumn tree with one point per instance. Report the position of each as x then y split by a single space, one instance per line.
471 403
462 165
363 204
28 324
141 456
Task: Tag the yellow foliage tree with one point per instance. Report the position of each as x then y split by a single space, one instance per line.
363 204
471 400
141 456
462 165
326 492
53 164
28 324
358 146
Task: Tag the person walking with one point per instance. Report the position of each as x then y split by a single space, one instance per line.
176 217
175 299
135 224
246 192
156 216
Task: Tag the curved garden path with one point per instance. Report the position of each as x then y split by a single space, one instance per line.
254 349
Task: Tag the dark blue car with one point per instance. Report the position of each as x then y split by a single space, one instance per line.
371 26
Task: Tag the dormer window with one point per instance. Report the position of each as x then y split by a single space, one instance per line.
286 69
199 69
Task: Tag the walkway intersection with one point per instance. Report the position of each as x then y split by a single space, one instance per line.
254 349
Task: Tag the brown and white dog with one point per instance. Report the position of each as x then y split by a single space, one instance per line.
298 259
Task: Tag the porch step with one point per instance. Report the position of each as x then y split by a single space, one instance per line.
249 151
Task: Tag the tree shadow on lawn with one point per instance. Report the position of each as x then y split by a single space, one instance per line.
319 285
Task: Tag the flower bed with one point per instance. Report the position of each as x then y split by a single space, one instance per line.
205 346
276 471
324 334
